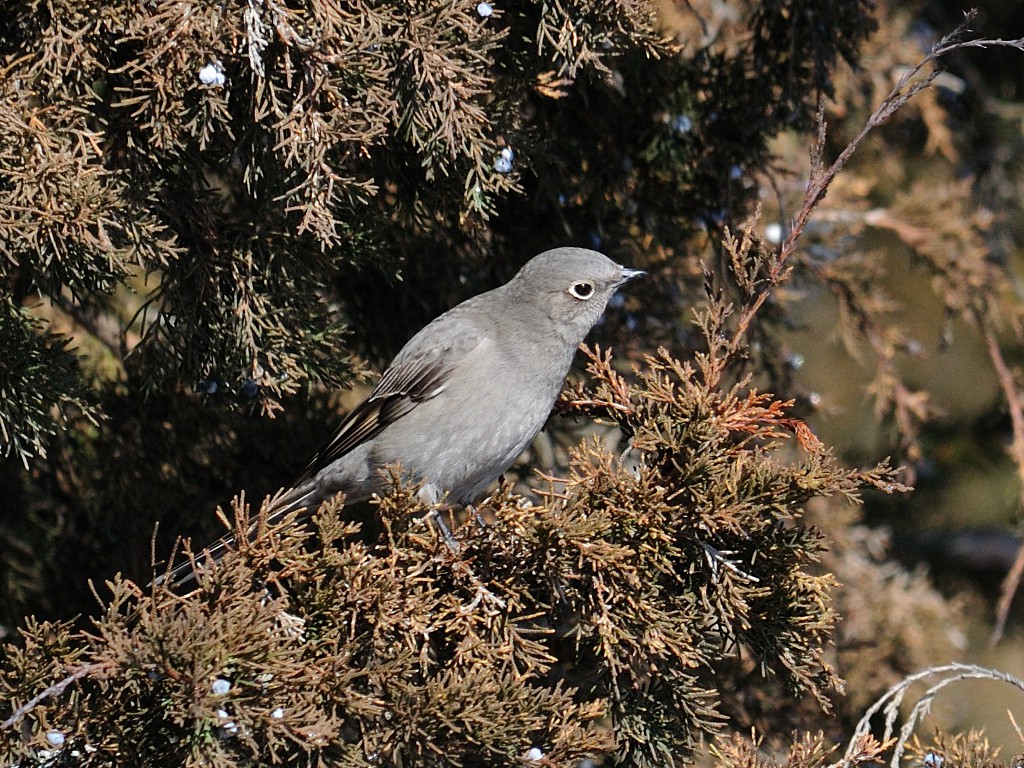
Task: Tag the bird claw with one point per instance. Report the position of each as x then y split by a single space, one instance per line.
493 605
471 508
446 533
482 594
292 625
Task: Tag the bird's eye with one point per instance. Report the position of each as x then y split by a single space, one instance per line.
582 290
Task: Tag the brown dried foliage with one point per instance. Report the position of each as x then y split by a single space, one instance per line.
605 620
652 599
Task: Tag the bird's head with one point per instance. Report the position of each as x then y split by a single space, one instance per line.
571 286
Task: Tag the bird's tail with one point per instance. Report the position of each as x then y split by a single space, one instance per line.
275 509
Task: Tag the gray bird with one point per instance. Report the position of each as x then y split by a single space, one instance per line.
468 393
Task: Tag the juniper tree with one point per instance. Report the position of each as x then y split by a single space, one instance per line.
215 204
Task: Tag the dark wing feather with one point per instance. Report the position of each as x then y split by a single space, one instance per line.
406 382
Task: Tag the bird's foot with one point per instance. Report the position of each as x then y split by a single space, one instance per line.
482 595
445 532
293 626
479 518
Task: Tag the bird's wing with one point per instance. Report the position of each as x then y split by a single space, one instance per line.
412 378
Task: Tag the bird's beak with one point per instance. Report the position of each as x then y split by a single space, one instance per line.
629 274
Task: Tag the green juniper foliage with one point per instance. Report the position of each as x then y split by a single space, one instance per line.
38 365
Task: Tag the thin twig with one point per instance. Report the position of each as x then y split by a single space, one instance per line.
820 180
54 690
114 343
889 704
1008 383
1007 590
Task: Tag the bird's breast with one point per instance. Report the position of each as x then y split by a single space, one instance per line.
467 435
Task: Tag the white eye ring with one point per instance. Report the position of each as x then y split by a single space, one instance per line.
582 290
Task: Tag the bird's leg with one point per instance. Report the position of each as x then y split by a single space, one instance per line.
481 593
430 495
475 513
444 530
